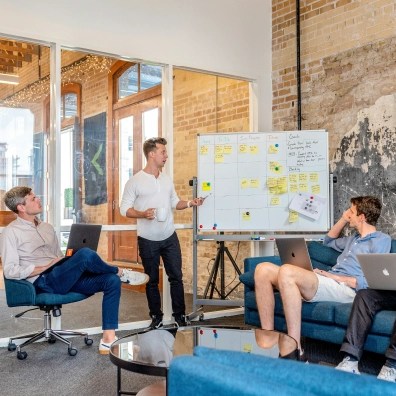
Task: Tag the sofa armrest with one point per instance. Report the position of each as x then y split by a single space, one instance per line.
250 264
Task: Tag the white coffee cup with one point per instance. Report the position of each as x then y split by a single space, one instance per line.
161 214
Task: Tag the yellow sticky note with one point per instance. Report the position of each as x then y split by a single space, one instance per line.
303 187
293 178
206 186
302 177
247 348
272 149
253 149
203 150
272 182
243 148
227 149
219 158
273 190
245 183
219 149
293 188
314 177
293 216
254 183
315 189
246 216
275 201
276 167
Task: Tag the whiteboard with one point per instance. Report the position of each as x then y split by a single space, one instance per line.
263 181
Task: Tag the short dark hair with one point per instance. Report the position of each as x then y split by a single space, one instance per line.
15 197
369 206
151 145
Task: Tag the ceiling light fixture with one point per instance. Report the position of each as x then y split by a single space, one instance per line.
12 79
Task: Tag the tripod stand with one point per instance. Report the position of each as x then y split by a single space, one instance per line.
219 265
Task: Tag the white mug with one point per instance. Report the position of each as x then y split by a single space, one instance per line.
161 214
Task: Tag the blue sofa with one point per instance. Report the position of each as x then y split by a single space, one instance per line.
326 321
230 373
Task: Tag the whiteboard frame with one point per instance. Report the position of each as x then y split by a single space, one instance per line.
305 227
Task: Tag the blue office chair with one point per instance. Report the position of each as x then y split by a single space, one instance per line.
23 293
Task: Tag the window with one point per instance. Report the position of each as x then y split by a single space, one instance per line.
137 78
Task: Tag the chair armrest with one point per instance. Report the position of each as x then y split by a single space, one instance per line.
19 292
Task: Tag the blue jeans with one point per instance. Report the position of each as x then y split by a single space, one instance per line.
86 273
150 253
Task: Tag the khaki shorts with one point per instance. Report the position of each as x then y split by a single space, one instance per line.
331 290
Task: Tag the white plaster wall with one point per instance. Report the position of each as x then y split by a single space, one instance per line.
225 36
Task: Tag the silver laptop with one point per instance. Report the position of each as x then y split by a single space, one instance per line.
294 251
379 270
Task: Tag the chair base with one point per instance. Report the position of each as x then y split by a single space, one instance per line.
50 335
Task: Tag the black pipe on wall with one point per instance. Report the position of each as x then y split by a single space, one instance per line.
298 66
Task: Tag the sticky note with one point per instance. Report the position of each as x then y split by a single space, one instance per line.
219 149
276 167
246 216
247 348
275 201
254 183
253 149
206 186
243 148
303 187
272 149
303 177
272 182
219 158
315 189
293 188
314 177
293 216
245 183
293 178
227 149
203 150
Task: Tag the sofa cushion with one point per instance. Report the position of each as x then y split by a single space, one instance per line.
301 378
322 257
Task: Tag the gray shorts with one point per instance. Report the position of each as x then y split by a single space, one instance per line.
331 290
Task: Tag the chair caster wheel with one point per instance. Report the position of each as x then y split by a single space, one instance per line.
72 351
88 341
22 355
11 347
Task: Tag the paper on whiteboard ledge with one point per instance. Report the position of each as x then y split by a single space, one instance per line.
309 205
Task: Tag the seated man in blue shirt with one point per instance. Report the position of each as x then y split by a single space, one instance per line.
339 284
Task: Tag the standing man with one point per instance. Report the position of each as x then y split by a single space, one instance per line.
30 248
150 196
339 284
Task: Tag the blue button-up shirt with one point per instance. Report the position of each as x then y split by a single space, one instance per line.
347 262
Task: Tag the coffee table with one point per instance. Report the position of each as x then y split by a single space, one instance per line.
151 351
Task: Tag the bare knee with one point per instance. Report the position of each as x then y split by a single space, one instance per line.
265 272
287 274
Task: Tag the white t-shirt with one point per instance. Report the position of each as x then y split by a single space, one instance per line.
143 191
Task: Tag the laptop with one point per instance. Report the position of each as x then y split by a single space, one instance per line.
80 236
294 251
379 270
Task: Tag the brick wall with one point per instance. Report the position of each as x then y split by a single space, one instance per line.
347 62
204 104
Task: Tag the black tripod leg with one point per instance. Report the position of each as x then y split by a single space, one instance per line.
212 277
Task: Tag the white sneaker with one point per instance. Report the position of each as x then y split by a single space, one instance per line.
104 347
348 365
134 277
387 374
